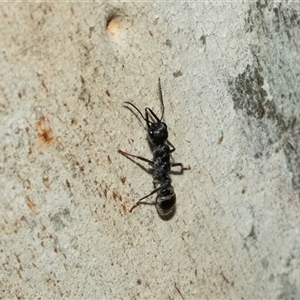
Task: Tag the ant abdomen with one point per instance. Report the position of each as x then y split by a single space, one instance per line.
166 203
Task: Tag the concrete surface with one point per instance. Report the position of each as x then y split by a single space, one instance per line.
230 80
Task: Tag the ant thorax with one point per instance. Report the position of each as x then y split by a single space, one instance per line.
158 133
162 151
161 158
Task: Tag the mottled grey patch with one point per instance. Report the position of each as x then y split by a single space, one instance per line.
203 39
85 95
289 290
57 222
265 263
275 31
60 219
66 213
177 74
247 92
169 43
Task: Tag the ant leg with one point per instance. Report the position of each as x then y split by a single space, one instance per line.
139 202
135 156
170 144
181 165
177 164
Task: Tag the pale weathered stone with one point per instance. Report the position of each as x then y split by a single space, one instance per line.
230 80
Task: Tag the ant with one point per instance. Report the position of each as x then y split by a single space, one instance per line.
162 149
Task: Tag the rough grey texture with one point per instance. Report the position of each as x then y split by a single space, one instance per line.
230 79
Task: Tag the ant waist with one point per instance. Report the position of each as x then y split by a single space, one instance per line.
161 179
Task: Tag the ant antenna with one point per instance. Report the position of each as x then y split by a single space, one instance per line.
138 111
161 99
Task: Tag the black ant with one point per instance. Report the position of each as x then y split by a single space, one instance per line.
162 149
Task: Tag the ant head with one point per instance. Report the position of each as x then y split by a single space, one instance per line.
157 133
